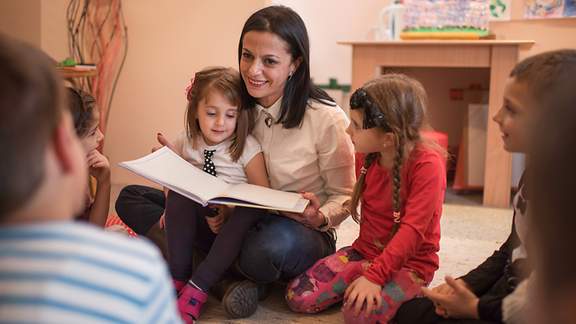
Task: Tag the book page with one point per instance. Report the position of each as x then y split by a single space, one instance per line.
167 168
265 197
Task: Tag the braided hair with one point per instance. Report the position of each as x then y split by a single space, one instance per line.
396 104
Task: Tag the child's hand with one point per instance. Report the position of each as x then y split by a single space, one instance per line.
215 222
99 167
454 301
162 221
363 291
164 142
311 216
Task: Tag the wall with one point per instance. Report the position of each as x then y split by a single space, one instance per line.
21 19
548 34
330 21
168 42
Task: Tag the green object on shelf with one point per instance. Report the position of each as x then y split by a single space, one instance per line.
67 62
333 85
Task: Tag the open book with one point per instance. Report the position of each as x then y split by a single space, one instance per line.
170 170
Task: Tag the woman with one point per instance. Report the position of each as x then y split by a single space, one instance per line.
302 133
306 148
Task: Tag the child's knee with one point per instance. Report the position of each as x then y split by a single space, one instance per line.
301 295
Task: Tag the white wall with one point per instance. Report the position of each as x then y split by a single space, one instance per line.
330 21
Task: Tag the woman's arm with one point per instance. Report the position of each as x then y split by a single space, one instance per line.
336 163
256 171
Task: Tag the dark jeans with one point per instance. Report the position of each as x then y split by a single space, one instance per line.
140 207
186 227
421 311
275 248
279 248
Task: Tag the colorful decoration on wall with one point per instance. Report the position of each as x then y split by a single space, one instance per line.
535 9
570 8
500 9
446 19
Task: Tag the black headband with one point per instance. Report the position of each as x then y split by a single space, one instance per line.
373 117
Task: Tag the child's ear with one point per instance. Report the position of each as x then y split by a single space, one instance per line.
388 140
66 145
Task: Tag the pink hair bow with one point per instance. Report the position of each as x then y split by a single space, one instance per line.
189 89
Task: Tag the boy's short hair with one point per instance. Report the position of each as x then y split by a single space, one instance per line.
31 102
541 71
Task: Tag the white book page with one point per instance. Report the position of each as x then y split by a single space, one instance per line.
167 168
273 199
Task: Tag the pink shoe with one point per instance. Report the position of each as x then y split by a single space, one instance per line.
178 285
190 301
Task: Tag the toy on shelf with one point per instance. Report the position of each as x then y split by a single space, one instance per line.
446 19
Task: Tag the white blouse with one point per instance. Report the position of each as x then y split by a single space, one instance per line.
316 157
226 169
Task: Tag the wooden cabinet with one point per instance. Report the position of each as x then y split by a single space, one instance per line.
499 56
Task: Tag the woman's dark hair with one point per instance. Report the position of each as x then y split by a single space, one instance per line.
287 24
82 108
31 107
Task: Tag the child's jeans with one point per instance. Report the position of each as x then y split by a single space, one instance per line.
325 283
186 228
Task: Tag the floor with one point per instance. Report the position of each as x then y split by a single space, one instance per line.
470 233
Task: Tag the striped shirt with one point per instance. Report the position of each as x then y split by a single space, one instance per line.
63 272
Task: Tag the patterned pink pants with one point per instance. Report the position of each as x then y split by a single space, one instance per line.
325 283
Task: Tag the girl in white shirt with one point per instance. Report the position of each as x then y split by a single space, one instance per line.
217 141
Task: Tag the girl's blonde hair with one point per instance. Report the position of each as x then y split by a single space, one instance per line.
227 82
396 104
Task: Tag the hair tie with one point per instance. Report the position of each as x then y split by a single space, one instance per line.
373 117
189 88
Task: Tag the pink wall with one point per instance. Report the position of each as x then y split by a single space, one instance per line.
21 19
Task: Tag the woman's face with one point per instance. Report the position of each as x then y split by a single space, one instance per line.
265 65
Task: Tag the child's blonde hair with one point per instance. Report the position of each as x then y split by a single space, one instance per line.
227 82
396 104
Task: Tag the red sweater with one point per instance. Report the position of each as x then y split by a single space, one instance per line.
414 246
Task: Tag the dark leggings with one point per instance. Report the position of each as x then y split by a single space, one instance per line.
186 228
140 207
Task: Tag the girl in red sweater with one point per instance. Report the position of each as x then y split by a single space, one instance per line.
401 185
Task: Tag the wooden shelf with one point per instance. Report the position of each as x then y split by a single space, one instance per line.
479 42
73 72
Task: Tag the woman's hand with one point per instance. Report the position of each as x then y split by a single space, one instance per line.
453 299
215 222
99 167
311 216
363 291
